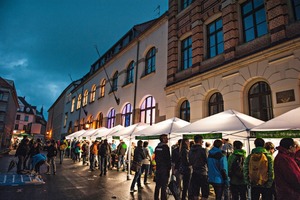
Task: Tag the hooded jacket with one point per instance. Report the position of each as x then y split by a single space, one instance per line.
162 157
287 175
233 179
198 159
269 183
217 167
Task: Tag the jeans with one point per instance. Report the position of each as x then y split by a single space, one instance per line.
61 156
146 169
136 179
218 188
121 162
51 162
92 161
20 164
186 177
103 164
238 192
162 178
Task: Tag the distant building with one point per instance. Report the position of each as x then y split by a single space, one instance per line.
8 109
29 120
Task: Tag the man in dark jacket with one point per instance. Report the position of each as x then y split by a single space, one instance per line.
21 153
163 167
51 155
138 157
104 152
198 160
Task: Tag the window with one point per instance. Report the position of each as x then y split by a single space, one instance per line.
127 115
16 127
186 53
185 3
129 73
115 82
185 111
215 38
1 95
85 98
296 6
215 104
150 61
99 122
78 101
93 93
73 104
18 117
111 118
26 118
254 19
102 88
260 101
65 119
148 110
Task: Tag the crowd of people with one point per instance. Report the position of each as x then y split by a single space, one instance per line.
224 166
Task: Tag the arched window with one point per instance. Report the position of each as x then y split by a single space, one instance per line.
85 97
102 88
150 61
127 115
260 101
215 104
185 111
129 73
78 101
148 111
115 82
111 118
99 122
93 93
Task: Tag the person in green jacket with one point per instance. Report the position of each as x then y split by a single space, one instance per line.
264 171
236 161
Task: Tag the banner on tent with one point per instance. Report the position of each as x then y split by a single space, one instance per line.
148 137
205 136
275 134
116 137
98 138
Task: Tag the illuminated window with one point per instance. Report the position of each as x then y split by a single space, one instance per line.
65 119
85 98
216 103
127 115
150 61
93 93
99 120
260 101
73 104
111 118
185 111
148 110
79 101
102 88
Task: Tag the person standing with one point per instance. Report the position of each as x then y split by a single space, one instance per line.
138 157
270 147
51 155
104 152
121 151
146 162
236 161
93 155
217 169
163 167
21 153
62 148
175 158
198 160
287 172
185 167
259 171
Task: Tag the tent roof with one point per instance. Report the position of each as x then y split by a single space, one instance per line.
287 121
75 134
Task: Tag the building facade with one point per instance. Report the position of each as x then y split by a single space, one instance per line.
233 54
8 109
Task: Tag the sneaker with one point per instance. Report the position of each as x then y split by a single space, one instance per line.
146 183
123 170
48 173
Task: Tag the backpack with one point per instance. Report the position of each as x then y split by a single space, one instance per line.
103 150
236 168
62 147
258 169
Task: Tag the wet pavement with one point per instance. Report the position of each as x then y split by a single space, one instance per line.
73 181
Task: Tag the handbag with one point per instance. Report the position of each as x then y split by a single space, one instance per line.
135 166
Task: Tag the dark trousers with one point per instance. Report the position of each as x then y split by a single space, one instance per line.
146 169
162 178
219 189
38 165
238 192
136 179
198 182
103 164
20 164
265 192
186 178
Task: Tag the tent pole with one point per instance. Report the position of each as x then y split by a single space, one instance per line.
129 160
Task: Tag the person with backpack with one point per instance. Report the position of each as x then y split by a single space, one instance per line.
121 151
104 152
199 180
236 161
217 169
287 172
62 148
259 171
175 158
51 155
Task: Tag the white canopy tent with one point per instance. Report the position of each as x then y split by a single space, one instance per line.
75 134
103 133
128 131
230 123
87 134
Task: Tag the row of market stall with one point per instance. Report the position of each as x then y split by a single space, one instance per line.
228 124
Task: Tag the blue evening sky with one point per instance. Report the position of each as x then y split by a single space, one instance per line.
43 41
